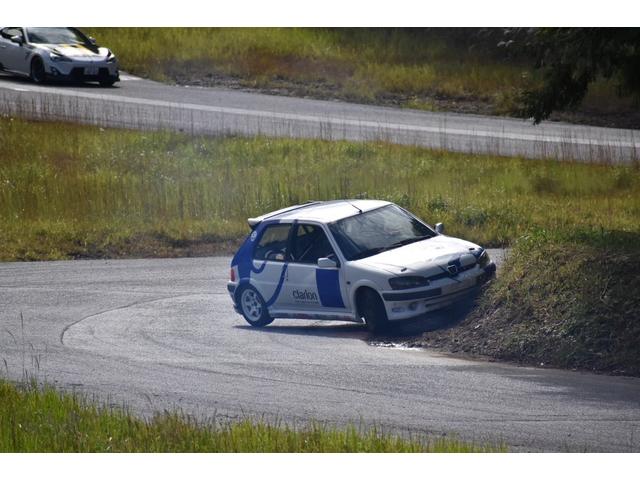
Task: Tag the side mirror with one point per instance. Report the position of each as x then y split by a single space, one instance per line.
92 40
17 39
440 228
324 262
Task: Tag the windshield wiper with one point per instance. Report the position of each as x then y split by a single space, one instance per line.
373 251
407 241
368 253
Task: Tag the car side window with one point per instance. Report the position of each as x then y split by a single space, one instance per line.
273 243
309 244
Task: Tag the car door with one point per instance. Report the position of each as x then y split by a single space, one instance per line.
270 262
309 287
12 55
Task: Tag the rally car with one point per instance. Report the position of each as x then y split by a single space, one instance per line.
365 261
56 53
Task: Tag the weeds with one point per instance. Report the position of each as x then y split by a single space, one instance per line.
34 419
355 64
564 299
430 69
68 191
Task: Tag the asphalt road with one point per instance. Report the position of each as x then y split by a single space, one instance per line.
137 103
161 334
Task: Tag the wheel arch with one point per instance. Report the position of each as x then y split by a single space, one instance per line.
242 284
358 293
36 56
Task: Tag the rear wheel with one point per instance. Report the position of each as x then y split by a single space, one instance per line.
371 308
37 70
107 82
253 308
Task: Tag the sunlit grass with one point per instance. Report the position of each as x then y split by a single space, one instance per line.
44 420
569 300
70 191
361 64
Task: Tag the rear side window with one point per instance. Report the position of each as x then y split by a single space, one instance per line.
310 243
273 243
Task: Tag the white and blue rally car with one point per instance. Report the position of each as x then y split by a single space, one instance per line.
365 261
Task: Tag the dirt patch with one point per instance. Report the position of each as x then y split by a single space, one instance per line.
138 246
159 246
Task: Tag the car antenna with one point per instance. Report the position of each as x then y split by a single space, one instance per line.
359 210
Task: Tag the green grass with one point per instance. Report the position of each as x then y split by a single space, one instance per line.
45 420
69 191
445 69
567 300
357 64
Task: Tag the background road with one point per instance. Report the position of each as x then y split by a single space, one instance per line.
158 334
137 103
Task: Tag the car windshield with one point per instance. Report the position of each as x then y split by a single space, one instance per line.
68 36
375 231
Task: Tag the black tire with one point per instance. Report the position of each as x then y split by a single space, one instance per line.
253 307
371 308
107 82
37 73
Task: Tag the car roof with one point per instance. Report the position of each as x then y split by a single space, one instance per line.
323 212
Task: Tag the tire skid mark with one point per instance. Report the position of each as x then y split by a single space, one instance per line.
209 371
321 385
167 346
123 307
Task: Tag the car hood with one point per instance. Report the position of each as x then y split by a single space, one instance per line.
75 51
424 257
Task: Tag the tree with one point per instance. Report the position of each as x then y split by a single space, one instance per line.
571 59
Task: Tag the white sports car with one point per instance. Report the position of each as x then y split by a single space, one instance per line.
56 53
365 261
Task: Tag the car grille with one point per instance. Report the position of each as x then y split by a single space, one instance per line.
444 274
78 73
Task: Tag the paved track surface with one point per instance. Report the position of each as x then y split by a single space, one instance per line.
161 334
137 103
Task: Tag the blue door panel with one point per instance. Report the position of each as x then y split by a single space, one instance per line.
328 282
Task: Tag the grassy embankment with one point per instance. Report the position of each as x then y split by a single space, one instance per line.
69 191
568 300
44 420
433 69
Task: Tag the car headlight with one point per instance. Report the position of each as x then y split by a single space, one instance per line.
403 283
483 259
58 58
111 57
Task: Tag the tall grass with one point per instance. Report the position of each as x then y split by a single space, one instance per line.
362 64
44 420
69 191
437 68
570 300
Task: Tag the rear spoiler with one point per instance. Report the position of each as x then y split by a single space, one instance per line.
255 221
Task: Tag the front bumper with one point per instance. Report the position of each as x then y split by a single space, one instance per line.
407 305
82 71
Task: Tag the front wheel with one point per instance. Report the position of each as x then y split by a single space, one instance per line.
107 82
37 73
372 309
253 308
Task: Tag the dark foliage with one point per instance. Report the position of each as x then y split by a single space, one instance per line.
571 59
